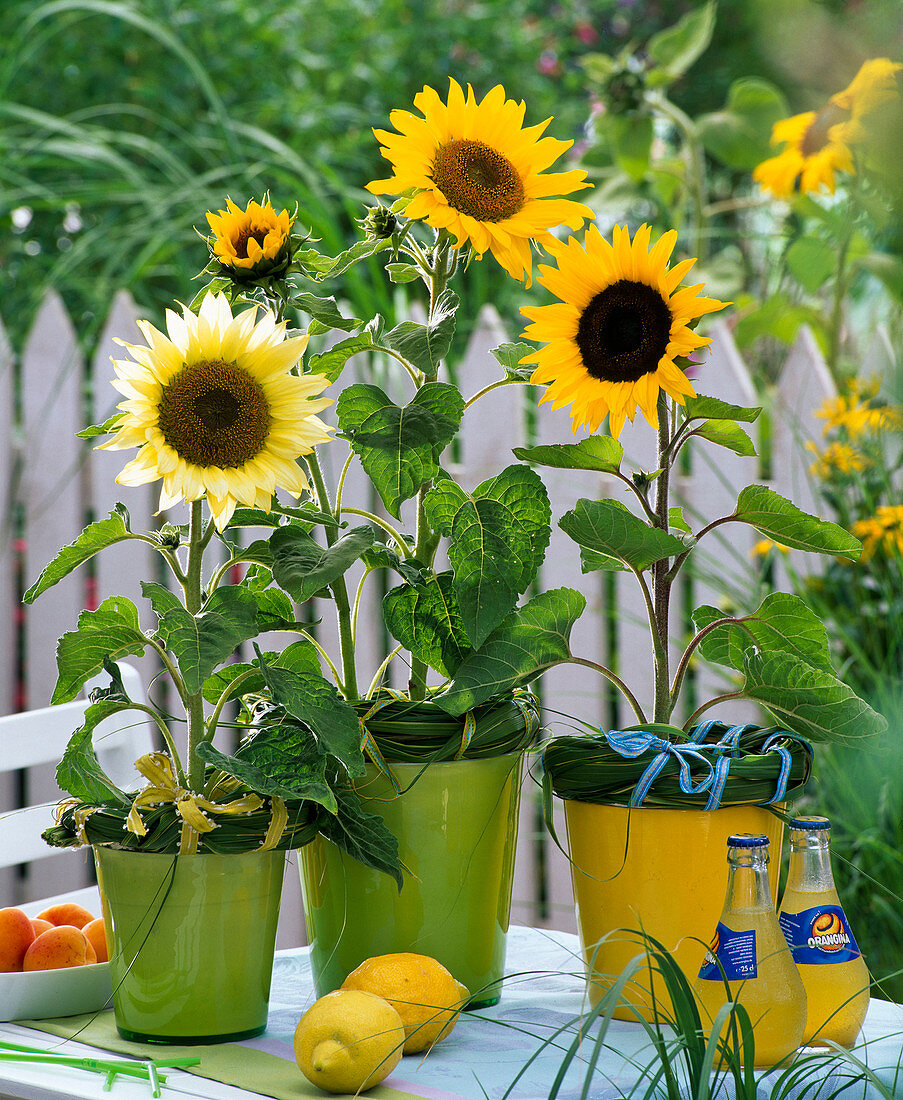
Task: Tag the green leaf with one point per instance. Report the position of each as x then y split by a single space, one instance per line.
402 273
331 363
112 631
162 598
79 771
274 610
201 642
596 452
95 537
442 503
362 835
107 428
425 346
426 619
283 760
701 407
329 267
809 701
532 638
725 433
300 657
674 49
778 317
314 701
631 141
303 567
215 286
811 261
609 528
510 355
782 623
677 521
887 268
739 135
498 541
324 310
783 522
400 447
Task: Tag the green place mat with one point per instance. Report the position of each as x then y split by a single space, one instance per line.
230 1063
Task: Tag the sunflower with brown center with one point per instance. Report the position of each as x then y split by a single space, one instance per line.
478 173
819 144
215 411
612 342
253 241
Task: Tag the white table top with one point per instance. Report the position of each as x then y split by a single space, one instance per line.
479 1060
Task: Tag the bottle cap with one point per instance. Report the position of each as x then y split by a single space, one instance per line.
810 824
747 840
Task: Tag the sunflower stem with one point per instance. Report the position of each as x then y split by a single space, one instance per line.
194 701
339 589
661 581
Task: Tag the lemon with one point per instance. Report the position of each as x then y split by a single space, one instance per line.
348 1041
423 992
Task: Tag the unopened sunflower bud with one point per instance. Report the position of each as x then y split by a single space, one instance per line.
169 536
379 222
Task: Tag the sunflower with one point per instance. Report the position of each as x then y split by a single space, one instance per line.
215 411
623 320
477 172
882 531
818 144
254 241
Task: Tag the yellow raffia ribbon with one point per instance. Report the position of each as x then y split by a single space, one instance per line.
79 817
278 822
531 719
368 742
157 768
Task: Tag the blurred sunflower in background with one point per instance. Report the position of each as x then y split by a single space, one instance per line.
819 144
215 411
612 342
476 171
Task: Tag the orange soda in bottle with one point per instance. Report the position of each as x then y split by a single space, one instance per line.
830 963
750 952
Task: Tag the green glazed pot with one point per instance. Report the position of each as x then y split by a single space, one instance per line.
191 941
457 833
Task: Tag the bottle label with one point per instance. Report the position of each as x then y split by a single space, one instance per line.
736 951
819 935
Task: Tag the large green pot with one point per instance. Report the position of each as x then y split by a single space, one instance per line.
191 940
457 833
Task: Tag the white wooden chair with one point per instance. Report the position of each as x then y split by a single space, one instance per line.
36 737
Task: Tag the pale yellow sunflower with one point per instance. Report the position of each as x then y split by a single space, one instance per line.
478 172
623 320
215 412
882 531
253 239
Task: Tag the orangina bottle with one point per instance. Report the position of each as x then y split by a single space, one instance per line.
753 957
832 968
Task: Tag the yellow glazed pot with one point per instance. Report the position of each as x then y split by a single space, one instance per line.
662 871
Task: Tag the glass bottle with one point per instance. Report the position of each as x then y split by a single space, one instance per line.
750 952
829 961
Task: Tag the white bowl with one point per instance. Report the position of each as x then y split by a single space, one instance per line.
43 994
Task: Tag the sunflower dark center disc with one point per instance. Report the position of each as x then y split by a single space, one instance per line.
623 332
478 181
214 414
816 136
244 235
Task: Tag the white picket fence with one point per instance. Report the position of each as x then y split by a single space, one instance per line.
50 482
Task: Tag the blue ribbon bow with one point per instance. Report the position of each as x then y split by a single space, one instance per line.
633 743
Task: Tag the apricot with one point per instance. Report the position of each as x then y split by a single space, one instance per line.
16 936
96 935
40 925
67 912
61 946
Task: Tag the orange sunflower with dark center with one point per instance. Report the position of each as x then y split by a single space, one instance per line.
252 241
611 343
479 173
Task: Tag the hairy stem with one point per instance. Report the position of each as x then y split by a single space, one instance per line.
194 702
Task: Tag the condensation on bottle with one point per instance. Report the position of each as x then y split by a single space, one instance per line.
827 956
750 953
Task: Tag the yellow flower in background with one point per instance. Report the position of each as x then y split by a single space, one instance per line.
480 174
255 239
819 144
836 458
764 547
884 530
215 412
855 413
623 320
